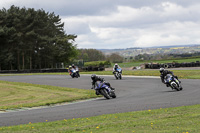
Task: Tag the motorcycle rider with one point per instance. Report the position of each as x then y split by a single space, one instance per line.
96 78
115 67
69 70
76 68
163 73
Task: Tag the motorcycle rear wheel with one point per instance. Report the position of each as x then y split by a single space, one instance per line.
120 76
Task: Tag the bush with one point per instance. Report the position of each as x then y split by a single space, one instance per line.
97 63
115 58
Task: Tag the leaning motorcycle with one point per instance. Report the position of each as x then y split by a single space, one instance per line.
104 89
118 73
173 82
74 73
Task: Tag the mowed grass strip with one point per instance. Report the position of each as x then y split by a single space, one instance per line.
17 95
183 74
183 119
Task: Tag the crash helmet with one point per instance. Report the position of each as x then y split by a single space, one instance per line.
73 65
93 76
162 69
116 65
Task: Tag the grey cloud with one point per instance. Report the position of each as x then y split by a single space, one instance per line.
89 7
101 7
77 28
97 24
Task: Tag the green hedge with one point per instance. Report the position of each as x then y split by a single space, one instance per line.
97 63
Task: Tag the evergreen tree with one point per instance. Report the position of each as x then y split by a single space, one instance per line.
33 39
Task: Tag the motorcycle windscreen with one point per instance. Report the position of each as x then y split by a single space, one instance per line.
168 77
119 69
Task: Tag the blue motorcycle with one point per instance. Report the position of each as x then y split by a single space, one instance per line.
103 88
118 73
74 73
173 82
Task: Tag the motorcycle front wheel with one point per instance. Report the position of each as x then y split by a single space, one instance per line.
116 76
113 95
175 86
105 93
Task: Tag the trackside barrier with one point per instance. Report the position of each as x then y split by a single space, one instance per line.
90 68
171 65
34 71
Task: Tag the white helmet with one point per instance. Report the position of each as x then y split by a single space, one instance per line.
162 69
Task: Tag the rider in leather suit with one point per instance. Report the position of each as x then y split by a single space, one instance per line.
163 73
115 68
94 82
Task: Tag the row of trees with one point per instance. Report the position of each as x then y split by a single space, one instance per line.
91 55
88 55
165 56
33 39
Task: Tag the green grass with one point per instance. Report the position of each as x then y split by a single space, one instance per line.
137 63
21 74
170 120
183 119
18 95
183 74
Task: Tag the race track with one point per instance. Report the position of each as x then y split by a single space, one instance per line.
133 94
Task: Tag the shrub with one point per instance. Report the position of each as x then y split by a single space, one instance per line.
97 63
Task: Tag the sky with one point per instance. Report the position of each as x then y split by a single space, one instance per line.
113 24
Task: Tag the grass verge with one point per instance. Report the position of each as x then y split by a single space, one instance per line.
18 95
184 74
183 119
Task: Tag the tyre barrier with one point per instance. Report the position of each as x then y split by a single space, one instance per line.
90 68
52 70
171 65
34 71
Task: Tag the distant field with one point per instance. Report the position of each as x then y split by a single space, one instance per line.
137 63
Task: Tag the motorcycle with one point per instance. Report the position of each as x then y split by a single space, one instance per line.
173 82
74 73
104 89
118 73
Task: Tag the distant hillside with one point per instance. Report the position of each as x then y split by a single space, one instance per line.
191 45
132 52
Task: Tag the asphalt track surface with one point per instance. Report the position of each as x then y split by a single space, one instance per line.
133 94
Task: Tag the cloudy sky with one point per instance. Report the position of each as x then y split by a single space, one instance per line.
124 23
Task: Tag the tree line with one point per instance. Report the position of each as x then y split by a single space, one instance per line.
33 39
88 55
165 56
